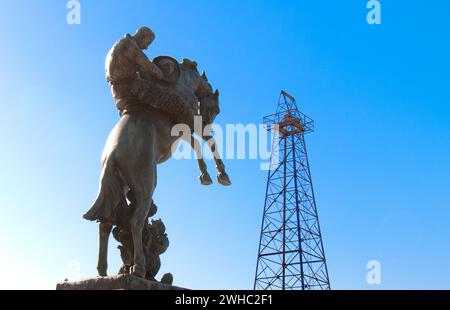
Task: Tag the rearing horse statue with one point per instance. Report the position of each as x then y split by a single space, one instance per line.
140 141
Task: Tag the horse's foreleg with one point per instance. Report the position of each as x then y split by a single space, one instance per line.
222 176
204 177
104 232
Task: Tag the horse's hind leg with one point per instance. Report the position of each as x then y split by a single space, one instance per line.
137 225
104 232
143 193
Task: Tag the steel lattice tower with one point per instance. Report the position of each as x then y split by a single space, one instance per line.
291 254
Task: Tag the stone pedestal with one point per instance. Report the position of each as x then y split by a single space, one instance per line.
119 282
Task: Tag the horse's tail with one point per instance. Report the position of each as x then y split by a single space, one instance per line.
110 195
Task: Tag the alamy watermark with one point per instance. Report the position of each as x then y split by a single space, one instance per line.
73 16
374 275
374 14
234 141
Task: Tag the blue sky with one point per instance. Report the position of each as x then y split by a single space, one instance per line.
379 156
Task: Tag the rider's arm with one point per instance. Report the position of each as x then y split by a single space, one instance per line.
146 65
149 67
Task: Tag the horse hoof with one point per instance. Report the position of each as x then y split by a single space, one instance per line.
137 271
205 179
102 271
167 278
223 178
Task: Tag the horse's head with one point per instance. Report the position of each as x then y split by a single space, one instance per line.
208 101
209 107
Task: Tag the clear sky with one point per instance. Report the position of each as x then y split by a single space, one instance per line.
379 156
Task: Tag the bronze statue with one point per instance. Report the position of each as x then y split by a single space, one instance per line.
151 97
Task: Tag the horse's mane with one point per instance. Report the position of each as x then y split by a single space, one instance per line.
189 64
192 65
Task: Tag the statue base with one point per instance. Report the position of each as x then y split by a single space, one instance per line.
119 282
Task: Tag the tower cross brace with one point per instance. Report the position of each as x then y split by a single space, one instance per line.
291 254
